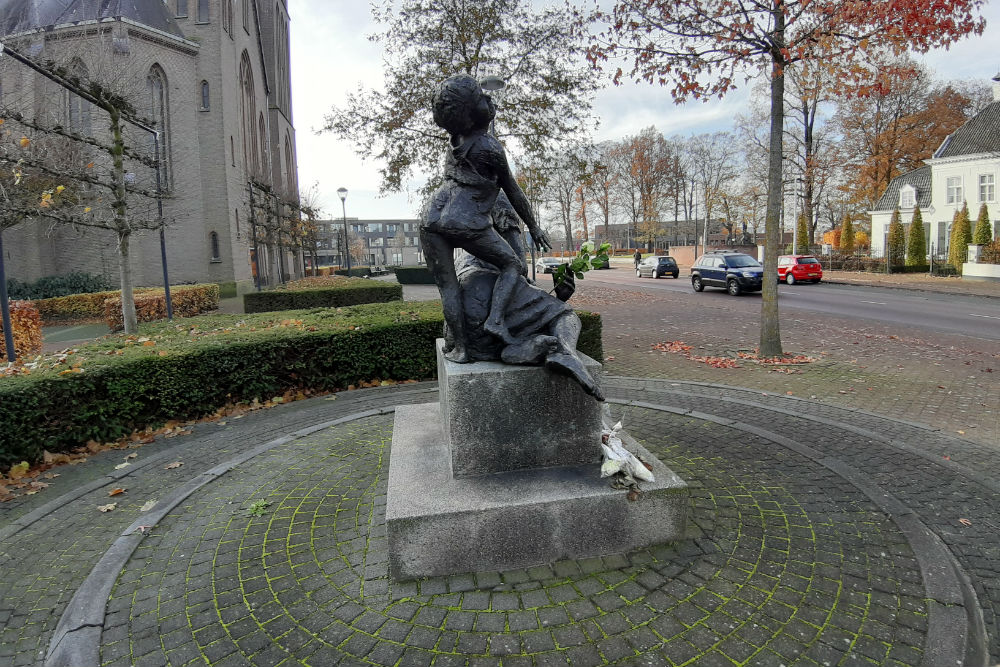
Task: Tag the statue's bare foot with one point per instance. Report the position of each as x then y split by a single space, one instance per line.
458 354
498 328
570 364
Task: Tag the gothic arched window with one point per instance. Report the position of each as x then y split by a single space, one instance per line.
156 87
213 239
77 108
248 116
206 100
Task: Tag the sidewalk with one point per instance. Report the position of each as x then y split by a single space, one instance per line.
843 513
818 535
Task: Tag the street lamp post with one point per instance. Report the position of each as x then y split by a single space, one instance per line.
342 193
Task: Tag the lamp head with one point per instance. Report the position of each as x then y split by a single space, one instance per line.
342 193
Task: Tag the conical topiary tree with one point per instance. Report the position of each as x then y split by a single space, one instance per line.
802 236
984 230
961 236
847 236
916 244
897 241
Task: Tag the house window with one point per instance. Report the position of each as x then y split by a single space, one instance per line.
213 239
907 196
987 187
954 190
78 109
205 98
203 11
182 8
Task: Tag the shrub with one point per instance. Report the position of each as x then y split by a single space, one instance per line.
227 290
991 253
847 236
984 230
802 235
961 236
590 342
897 241
53 286
151 304
916 244
414 275
356 271
75 308
117 384
329 292
26 325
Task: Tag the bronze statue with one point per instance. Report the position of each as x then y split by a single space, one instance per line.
458 216
492 311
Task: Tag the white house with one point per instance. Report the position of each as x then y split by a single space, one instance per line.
964 169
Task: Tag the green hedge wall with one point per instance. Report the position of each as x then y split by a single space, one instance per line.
186 373
323 297
414 275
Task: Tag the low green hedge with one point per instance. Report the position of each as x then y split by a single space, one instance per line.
351 293
114 385
414 275
356 271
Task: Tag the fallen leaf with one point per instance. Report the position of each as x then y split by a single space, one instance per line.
143 529
122 465
108 507
171 466
18 471
116 492
961 432
148 505
965 522
131 456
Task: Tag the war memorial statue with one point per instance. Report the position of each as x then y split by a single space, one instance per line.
505 470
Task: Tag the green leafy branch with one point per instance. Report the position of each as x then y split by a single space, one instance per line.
585 260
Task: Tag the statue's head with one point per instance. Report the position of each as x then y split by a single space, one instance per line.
460 105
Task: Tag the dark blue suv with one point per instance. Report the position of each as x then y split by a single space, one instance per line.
735 272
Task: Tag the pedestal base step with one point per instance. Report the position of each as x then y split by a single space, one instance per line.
438 525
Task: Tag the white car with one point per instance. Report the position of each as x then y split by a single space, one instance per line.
548 264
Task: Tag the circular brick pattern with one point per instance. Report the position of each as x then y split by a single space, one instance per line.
786 564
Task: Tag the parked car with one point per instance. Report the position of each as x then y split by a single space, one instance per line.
735 272
548 264
656 266
799 268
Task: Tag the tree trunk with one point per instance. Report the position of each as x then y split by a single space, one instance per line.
770 333
121 224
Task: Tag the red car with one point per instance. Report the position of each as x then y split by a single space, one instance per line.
799 268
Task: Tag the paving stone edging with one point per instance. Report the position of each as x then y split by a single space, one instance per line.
956 632
76 640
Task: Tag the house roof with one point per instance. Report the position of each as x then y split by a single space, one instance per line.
919 178
17 16
979 134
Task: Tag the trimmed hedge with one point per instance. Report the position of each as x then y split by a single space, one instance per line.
356 271
26 326
120 383
151 304
414 275
590 337
342 292
75 308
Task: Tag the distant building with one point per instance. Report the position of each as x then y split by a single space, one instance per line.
964 169
381 242
214 77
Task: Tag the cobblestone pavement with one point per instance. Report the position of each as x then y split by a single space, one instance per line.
819 535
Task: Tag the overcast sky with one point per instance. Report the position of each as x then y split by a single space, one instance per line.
332 56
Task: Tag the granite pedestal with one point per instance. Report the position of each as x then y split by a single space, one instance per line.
533 508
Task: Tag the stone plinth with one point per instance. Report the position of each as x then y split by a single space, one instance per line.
498 417
438 524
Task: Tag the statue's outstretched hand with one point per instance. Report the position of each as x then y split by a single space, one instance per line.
541 240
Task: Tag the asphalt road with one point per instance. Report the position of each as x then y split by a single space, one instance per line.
970 315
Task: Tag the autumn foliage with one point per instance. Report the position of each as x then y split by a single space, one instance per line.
151 305
27 329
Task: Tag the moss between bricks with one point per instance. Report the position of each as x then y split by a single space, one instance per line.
112 386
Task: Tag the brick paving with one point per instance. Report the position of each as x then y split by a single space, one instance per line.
828 526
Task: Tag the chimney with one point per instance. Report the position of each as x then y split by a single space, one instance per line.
996 88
